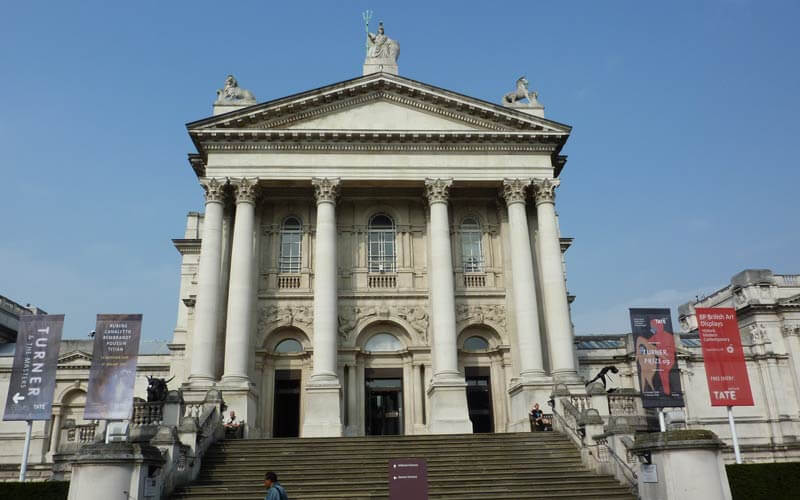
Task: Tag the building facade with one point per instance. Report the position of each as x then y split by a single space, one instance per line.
376 256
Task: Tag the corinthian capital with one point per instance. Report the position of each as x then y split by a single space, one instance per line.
246 189
515 190
214 188
437 190
544 190
325 189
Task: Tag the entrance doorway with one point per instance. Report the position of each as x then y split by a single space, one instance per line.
286 420
479 398
384 401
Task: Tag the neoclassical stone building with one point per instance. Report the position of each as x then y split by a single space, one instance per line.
376 256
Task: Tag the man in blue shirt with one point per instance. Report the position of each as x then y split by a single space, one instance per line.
274 490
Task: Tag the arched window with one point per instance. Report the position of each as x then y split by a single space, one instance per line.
383 342
288 346
476 344
471 250
291 236
381 244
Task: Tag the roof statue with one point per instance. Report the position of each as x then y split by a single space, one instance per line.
382 51
231 93
514 99
521 93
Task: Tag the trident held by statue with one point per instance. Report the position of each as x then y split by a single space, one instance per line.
366 15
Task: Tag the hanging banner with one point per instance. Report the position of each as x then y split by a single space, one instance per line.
726 370
33 376
113 371
659 377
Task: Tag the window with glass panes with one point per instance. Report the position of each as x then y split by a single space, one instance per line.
291 237
381 255
471 251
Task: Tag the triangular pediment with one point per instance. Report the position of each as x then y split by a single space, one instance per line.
379 102
79 358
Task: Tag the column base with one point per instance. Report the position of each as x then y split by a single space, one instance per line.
201 381
322 410
240 396
523 394
568 377
449 412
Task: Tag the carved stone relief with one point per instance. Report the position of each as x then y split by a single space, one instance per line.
493 313
350 316
273 316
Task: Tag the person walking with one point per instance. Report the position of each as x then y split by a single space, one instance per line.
274 490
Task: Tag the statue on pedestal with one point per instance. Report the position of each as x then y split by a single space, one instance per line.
522 92
381 46
231 93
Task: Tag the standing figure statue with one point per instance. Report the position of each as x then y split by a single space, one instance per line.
381 46
521 93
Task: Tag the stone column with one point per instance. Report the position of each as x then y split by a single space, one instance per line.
241 289
449 414
322 414
204 338
524 288
532 386
554 288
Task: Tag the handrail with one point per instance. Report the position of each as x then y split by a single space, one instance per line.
635 479
634 482
564 422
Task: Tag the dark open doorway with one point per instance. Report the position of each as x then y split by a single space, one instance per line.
384 401
286 412
479 398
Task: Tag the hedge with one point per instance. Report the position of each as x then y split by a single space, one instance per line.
49 490
773 481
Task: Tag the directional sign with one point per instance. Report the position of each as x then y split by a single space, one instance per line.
33 377
113 371
408 479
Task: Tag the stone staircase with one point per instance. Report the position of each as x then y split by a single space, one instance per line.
460 467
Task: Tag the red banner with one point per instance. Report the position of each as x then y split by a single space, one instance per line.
726 370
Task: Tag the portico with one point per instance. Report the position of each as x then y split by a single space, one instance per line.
352 235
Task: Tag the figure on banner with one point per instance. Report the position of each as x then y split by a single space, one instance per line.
648 363
666 343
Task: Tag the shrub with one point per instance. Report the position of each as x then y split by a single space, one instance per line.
773 481
50 490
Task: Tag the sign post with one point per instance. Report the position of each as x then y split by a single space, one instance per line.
659 377
726 370
113 370
33 376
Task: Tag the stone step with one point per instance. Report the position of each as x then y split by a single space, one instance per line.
461 467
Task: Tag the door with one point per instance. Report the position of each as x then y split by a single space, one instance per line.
384 402
286 420
479 398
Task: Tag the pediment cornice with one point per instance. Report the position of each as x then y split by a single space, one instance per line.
79 358
282 113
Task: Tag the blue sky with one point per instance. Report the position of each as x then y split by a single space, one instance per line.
682 165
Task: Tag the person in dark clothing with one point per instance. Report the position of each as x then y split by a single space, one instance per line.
537 417
274 490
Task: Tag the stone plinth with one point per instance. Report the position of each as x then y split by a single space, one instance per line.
116 470
688 464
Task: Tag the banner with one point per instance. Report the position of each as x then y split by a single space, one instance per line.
726 370
659 377
113 371
33 377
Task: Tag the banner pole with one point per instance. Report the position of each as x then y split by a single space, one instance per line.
24 465
733 435
661 423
